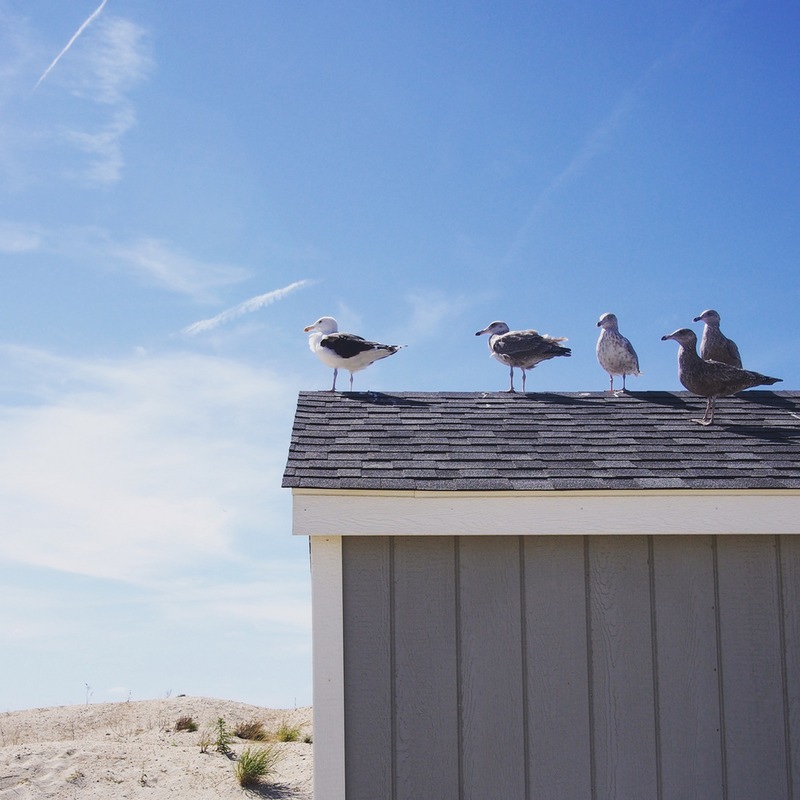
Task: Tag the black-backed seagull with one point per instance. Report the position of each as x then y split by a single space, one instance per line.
711 379
521 349
614 352
345 350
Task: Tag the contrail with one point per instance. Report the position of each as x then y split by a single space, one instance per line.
70 43
247 307
596 143
600 139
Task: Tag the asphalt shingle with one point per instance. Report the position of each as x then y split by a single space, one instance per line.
592 441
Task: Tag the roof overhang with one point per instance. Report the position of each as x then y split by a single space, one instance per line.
333 512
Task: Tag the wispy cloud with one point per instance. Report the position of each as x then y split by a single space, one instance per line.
162 263
69 44
116 59
104 60
247 307
170 457
103 147
432 311
145 257
16 238
142 512
270 601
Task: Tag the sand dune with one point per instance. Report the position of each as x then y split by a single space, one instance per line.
132 750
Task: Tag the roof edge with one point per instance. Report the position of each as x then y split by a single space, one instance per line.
439 493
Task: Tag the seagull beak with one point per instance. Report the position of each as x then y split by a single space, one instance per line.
308 328
478 333
598 324
665 337
697 319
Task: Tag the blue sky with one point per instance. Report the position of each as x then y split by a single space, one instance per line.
186 186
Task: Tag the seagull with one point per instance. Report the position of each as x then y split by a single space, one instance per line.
711 379
522 349
344 349
715 345
614 352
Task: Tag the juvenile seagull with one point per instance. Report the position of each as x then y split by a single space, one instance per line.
344 349
715 345
522 349
711 379
614 352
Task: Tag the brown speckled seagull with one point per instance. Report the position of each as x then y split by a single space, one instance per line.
614 352
715 345
711 379
522 349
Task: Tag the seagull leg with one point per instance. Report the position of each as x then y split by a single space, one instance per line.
511 389
708 417
335 372
351 381
523 379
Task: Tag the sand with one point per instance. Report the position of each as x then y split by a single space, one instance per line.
132 750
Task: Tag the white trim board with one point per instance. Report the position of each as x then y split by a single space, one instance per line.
544 513
328 668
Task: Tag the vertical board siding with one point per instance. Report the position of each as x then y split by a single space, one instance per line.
490 631
687 668
557 668
752 668
426 667
600 667
622 667
790 584
368 664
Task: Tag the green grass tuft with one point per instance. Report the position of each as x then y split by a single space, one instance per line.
255 764
288 733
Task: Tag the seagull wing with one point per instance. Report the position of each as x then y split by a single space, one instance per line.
715 379
733 351
628 348
346 345
532 343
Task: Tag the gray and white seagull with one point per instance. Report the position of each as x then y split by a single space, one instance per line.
522 349
711 379
614 352
345 350
715 345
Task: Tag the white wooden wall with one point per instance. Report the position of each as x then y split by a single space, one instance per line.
538 667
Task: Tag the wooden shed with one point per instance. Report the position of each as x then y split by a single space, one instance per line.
552 596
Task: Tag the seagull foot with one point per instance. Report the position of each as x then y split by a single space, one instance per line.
704 422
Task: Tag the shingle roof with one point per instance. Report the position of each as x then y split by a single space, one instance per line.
555 441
